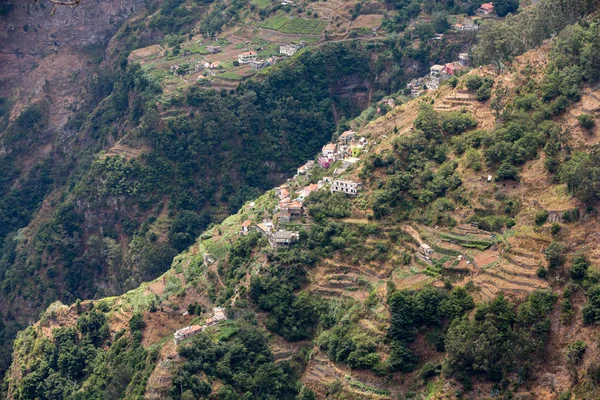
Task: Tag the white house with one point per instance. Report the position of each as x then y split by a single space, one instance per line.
186 332
283 238
246 57
426 249
436 70
288 49
329 150
345 186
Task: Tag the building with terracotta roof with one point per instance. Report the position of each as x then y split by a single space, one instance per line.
186 332
346 137
292 210
485 9
246 227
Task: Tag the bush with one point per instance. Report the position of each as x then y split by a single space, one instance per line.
429 370
586 121
542 272
507 171
576 351
540 217
555 228
591 310
555 254
473 82
580 267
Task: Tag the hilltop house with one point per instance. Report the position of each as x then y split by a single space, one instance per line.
306 191
246 57
485 9
186 332
466 27
257 64
346 137
436 70
329 150
289 211
283 238
264 228
305 169
288 49
219 314
245 227
425 249
282 192
345 186
213 49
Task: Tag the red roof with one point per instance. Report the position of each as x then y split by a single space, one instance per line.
487 6
312 187
295 204
247 223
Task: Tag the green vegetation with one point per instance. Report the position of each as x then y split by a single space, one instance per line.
243 361
430 307
287 24
81 363
500 339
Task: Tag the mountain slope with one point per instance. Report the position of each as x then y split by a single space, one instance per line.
497 190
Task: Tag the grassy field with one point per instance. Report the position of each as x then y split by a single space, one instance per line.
229 76
261 3
304 26
299 26
275 22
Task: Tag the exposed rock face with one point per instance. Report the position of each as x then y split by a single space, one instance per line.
44 55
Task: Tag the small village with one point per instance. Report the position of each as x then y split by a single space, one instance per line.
189 331
291 195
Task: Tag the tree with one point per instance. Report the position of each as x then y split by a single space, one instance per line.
555 254
580 267
504 7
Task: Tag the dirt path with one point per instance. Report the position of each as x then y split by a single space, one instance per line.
413 232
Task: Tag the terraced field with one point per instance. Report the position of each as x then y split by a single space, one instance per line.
298 26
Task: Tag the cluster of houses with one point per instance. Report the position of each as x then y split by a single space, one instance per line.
291 202
189 331
347 149
437 74
251 57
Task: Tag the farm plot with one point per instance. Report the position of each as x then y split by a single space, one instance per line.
298 26
304 26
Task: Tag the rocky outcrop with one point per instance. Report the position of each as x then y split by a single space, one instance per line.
43 55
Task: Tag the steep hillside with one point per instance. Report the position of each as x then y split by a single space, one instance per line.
464 266
114 156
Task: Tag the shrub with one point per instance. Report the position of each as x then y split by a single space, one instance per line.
507 171
542 272
555 254
540 217
580 267
586 121
430 370
576 351
473 82
591 310
555 228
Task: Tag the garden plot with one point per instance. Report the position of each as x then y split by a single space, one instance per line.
297 26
